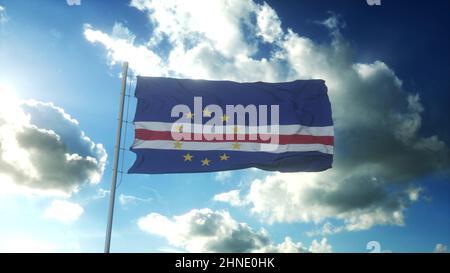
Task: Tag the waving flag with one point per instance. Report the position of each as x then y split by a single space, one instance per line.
204 126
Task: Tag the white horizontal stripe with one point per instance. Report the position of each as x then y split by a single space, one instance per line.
282 129
228 146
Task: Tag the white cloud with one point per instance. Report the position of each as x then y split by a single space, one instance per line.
231 197
414 193
204 230
378 148
333 22
121 48
320 247
268 23
287 246
73 2
312 198
131 199
440 248
43 149
121 32
64 211
101 193
223 176
196 49
325 230
182 21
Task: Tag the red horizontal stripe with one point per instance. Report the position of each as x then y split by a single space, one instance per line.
143 134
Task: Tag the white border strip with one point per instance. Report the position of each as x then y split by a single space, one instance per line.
282 129
228 146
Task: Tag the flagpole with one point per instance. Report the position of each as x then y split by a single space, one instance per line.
112 194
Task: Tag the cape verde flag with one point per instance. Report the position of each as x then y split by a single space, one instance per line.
184 126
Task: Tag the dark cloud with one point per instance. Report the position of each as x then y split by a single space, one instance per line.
44 148
380 153
204 230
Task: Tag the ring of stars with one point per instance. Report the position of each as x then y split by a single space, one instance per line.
225 118
190 115
177 145
236 146
205 162
206 113
188 157
179 128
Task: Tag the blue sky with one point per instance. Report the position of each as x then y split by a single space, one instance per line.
70 55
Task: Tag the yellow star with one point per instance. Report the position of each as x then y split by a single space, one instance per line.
236 146
188 157
205 162
190 115
177 145
236 129
224 157
206 112
179 128
225 118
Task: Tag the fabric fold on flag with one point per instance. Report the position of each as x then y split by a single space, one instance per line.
184 126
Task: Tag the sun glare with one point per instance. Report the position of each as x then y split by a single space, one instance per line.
8 101
7 93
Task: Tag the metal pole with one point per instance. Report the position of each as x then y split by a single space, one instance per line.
112 194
